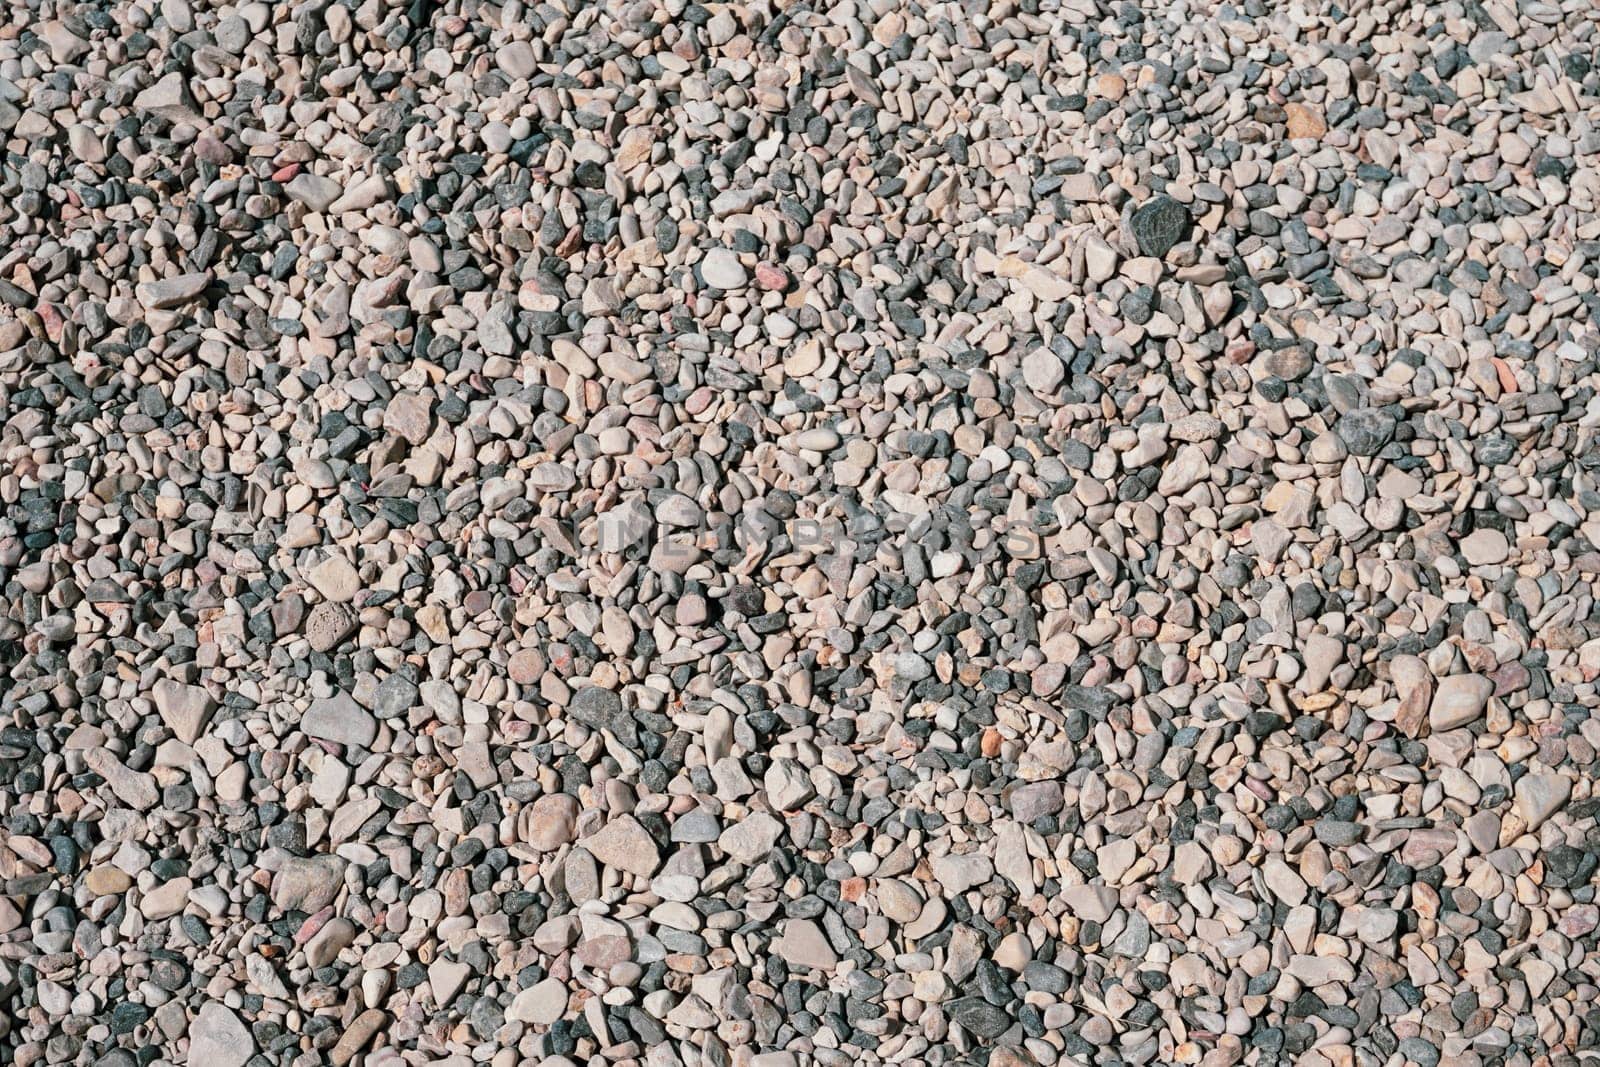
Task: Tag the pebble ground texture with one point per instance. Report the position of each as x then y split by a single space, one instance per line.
837 532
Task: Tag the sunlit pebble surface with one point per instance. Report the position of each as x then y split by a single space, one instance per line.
824 532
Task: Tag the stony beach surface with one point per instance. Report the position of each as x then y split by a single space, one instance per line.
838 532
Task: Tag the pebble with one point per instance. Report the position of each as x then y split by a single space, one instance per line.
624 844
218 1036
803 944
1458 700
338 718
186 709
1539 796
721 268
166 293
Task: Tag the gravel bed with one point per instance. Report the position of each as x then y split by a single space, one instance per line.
840 532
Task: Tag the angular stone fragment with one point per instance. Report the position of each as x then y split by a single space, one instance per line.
1459 700
980 1018
170 99
1366 430
602 708
494 330
336 578
1303 120
1043 370
1414 685
1035 800
186 709
1283 881
787 785
307 883
219 1038
1323 652
338 718
624 844
803 944
1158 224
446 979
750 840
166 293
410 415
1091 903
134 788
1540 795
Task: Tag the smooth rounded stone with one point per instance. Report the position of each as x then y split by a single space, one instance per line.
328 625
325 946
336 578
721 268
1419 1051
552 821
676 509
356 1036
1377 926
315 191
1485 547
516 59
107 881
1338 832
1043 371
898 901
540 1004
820 439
